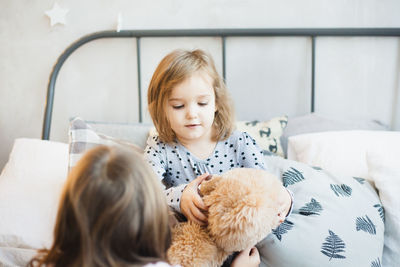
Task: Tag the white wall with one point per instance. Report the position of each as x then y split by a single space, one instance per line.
29 48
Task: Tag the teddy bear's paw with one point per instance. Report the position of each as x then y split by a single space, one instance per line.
193 247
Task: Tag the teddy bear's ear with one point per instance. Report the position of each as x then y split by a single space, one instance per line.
209 185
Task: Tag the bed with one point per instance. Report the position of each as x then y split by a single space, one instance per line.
357 151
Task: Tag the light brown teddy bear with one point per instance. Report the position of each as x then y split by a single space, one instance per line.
244 206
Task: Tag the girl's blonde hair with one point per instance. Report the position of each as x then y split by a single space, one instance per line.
112 213
174 69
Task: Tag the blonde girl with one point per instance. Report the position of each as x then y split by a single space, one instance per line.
112 213
193 114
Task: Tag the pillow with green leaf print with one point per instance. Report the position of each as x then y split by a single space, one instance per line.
336 220
266 133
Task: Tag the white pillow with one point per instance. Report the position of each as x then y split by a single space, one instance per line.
30 186
384 169
340 152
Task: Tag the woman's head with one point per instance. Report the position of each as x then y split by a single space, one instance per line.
112 212
174 69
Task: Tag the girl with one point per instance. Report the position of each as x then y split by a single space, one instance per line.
193 115
112 213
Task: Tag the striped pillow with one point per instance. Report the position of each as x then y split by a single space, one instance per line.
83 137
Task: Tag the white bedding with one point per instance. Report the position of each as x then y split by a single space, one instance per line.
384 170
31 183
30 187
10 256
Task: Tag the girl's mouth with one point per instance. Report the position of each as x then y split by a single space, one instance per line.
192 125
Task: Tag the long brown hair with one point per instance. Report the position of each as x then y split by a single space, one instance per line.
112 213
173 69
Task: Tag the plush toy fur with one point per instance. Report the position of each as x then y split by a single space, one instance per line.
243 207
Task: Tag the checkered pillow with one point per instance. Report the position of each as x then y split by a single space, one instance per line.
266 133
82 137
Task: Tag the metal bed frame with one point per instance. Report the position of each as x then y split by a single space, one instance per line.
222 33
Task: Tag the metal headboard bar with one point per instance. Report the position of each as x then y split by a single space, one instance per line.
313 73
224 58
223 33
139 78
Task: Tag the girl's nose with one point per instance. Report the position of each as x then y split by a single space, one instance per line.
191 112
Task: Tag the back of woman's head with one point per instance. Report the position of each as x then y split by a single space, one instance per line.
112 213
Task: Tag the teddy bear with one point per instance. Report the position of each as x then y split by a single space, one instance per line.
244 206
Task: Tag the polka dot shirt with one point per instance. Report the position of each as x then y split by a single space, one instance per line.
176 166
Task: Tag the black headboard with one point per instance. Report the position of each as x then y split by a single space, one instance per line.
222 33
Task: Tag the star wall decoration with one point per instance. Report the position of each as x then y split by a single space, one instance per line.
119 22
56 15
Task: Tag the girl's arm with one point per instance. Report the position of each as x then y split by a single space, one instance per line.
249 154
157 160
183 198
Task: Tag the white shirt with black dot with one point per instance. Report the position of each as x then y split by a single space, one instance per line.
176 166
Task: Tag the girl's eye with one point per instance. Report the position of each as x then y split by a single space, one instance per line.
203 103
177 106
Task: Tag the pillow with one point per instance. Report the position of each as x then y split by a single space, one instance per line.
136 133
336 220
342 152
313 122
10 256
30 187
384 169
267 133
83 137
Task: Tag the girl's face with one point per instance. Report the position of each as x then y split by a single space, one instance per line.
190 108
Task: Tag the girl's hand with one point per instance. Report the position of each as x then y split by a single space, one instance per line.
247 258
192 206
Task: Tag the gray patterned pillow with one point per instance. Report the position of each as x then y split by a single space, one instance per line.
336 220
83 137
266 133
